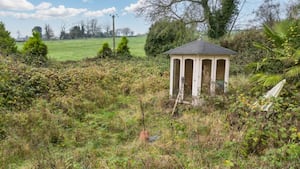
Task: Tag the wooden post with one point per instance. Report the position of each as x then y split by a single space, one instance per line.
114 41
144 134
180 92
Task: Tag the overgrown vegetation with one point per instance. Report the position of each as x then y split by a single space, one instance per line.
90 107
271 137
87 114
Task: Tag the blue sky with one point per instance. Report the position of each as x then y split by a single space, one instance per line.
23 15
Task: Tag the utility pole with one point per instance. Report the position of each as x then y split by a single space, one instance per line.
114 40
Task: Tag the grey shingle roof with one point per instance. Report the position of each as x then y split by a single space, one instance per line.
199 47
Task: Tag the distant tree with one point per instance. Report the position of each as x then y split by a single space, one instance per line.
107 30
7 43
75 32
63 34
293 10
35 51
110 33
83 30
126 31
94 29
105 51
19 34
48 32
38 29
123 49
164 35
131 33
91 28
268 12
119 32
88 29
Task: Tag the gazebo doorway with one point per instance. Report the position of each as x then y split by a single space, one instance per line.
176 76
188 79
220 76
206 76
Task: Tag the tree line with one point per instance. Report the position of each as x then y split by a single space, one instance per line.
89 29
34 51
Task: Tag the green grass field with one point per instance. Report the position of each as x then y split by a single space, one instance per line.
62 50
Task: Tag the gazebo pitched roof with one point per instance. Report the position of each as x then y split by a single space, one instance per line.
199 47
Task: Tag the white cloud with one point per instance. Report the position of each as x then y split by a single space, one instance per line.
133 7
18 15
25 15
100 12
85 1
43 5
60 11
44 12
16 5
5 13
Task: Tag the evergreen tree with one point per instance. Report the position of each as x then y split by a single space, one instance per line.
105 51
7 43
123 49
35 51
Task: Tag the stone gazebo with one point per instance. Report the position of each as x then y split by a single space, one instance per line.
198 68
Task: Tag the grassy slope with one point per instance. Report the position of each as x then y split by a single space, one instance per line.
62 50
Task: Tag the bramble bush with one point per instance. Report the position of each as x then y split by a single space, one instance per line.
19 85
271 135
